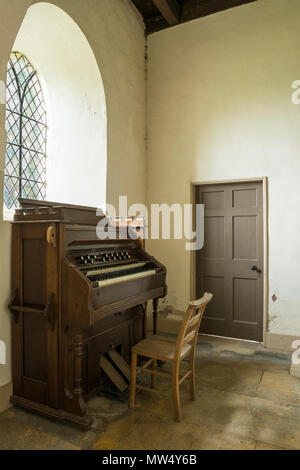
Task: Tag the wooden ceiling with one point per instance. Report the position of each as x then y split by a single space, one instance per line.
161 14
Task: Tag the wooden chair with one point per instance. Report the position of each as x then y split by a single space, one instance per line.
158 348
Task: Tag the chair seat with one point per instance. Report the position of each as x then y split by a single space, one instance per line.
158 347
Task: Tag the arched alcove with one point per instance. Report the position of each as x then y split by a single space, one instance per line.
75 102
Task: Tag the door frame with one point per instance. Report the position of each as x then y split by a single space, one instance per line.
264 181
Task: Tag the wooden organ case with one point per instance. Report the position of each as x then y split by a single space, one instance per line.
74 298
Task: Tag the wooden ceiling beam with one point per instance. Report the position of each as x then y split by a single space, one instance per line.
169 9
162 14
192 9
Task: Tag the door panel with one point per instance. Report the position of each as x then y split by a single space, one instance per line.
245 237
214 200
214 236
215 284
35 344
233 244
244 289
244 198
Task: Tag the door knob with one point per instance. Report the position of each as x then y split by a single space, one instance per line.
255 268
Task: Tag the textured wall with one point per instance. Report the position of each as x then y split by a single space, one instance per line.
219 107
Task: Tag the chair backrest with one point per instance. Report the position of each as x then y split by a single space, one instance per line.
191 323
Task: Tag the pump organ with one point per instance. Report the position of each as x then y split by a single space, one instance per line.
74 298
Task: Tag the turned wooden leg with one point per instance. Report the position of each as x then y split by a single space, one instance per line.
192 376
133 379
155 305
144 310
153 377
176 394
73 403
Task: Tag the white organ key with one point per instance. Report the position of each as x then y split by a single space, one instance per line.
121 267
128 277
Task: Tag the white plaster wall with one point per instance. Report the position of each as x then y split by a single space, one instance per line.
75 102
219 107
11 18
115 33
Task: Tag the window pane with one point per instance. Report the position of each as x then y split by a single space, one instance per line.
33 135
33 166
32 190
33 106
22 67
12 167
12 94
12 127
25 161
11 191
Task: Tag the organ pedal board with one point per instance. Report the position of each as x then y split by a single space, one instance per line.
117 371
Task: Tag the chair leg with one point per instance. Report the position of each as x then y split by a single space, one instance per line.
176 394
153 377
133 379
192 376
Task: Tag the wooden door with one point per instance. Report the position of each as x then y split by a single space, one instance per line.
230 265
35 338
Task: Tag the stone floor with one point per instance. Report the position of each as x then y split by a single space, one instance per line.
246 399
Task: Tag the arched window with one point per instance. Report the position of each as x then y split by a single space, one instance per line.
26 127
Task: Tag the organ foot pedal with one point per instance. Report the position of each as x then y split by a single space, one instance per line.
116 380
115 383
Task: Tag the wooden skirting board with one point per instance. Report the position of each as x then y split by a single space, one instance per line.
280 342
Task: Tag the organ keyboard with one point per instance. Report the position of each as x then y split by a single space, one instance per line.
75 298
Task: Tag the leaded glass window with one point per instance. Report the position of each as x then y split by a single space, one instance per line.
26 127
